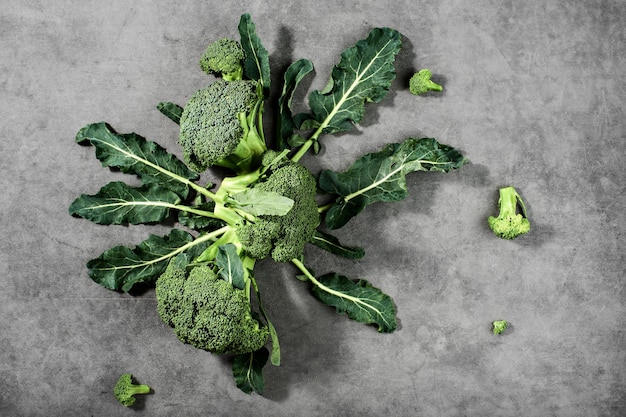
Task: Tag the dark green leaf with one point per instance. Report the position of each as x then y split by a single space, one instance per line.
120 267
381 176
358 299
230 265
248 371
119 203
292 78
330 243
133 154
256 64
171 110
198 221
259 202
364 74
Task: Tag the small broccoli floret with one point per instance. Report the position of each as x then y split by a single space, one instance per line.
420 83
208 312
223 57
284 236
509 224
125 390
218 126
499 326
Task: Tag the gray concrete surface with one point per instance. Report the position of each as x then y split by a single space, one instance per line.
534 97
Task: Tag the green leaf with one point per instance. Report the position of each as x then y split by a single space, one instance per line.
260 202
292 78
171 110
230 265
133 154
330 243
198 221
248 371
256 64
358 299
120 267
364 74
381 176
119 203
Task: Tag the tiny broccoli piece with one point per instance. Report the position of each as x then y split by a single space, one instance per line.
499 326
509 224
284 236
208 312
218 126
420 83
125 390
223 57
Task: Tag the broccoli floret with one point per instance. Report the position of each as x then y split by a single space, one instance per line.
499 326
509 224
125 390
208 312
420 83
218 126
223 57
284 236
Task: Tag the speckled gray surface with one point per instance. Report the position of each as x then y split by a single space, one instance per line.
534 97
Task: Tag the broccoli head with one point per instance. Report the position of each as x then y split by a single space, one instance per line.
283 237
509 224
218 126
125 390
499 326
223 57
207 312
420 83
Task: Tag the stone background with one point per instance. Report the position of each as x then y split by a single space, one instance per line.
534 96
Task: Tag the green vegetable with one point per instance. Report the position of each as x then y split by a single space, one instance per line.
204 271
420 83
499 326
509 224
225 58
125 390
208 312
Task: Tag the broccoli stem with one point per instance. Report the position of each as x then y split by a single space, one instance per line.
509 198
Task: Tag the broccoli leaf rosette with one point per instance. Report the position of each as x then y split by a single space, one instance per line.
265 207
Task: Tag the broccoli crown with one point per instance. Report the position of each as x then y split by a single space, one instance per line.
509 224
284 237
223 57
125 390
208 312
499 326
420 83
214 129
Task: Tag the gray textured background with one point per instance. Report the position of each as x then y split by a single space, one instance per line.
534 97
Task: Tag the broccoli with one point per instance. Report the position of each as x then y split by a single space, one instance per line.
223 57
420 83
284 236
509 224
207 312
125 390
499 326
218 126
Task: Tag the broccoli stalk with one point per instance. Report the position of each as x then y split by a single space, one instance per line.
125 390
509 224
420 83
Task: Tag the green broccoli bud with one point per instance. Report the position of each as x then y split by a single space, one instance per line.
208 312
420 83
284 237
218 126
509 224
499 326
223 57
125 390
